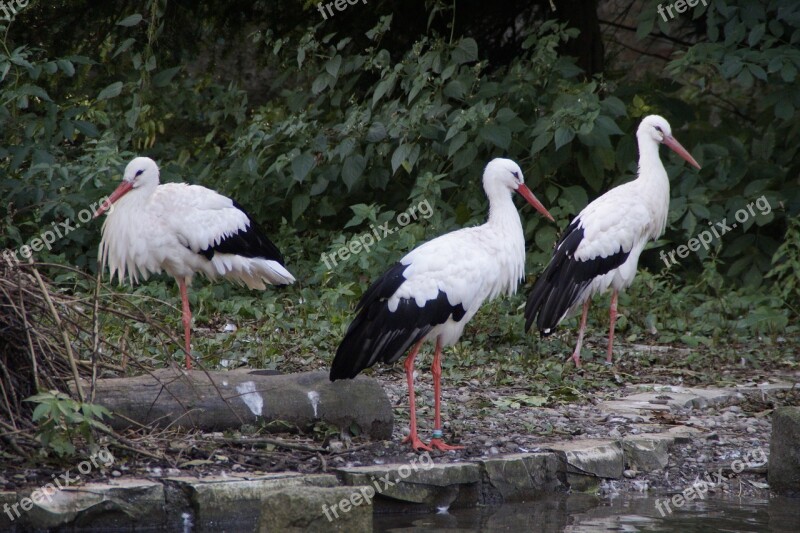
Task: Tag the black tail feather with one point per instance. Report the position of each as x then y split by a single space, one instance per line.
564 280
380 334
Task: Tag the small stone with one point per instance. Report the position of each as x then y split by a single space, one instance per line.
751 429
116 473
630 474
493 451
712 436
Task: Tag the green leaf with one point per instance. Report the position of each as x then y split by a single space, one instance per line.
756 34
165 76
66 67
563 136
466 51
33 90
376 132
500 136
300 203
541 142
383 88
608 126
111 91
86 128
127 43
333 64
302 165
131 20
352 169
456 143
400 155
40 412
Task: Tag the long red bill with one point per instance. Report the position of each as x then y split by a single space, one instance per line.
118 193
528 195
673 143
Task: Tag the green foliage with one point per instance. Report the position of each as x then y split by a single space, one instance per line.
61 420
741 82
786 265
343 132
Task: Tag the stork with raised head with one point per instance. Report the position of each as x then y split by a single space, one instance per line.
434 290
600 248
183 229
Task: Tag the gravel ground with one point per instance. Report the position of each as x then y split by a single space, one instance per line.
490 420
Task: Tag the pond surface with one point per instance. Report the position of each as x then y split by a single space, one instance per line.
586 513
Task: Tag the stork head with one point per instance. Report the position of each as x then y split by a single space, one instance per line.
657 128
506 173
141 172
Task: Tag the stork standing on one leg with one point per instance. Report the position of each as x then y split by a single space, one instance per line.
432 292
183 229
601 246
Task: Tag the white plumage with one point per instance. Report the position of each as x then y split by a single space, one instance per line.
183 229
600 248
434 290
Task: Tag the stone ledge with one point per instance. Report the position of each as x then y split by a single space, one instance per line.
300 509
520 477
427 484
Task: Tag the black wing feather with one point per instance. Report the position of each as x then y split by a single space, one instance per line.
379 334
250 242
564 279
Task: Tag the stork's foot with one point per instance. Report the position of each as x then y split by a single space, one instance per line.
439 444
577 358
417 444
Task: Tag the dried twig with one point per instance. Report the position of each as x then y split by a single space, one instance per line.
57 318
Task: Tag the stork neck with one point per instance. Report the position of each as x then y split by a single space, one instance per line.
650 167
502 211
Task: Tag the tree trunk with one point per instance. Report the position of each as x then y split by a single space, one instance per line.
215 401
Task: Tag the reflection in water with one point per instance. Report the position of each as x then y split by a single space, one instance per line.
580 513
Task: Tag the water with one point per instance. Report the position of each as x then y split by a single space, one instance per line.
579 513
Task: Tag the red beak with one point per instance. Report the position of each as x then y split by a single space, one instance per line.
672 143
528 195
118 193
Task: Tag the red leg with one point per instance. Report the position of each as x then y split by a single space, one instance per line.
612 317
436 369
187 322
412 436
576 355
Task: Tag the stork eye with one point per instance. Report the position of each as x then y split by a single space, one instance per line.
659 130
139 172
516 174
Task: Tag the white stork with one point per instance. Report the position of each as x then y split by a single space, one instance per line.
183 229
601 246
433 291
